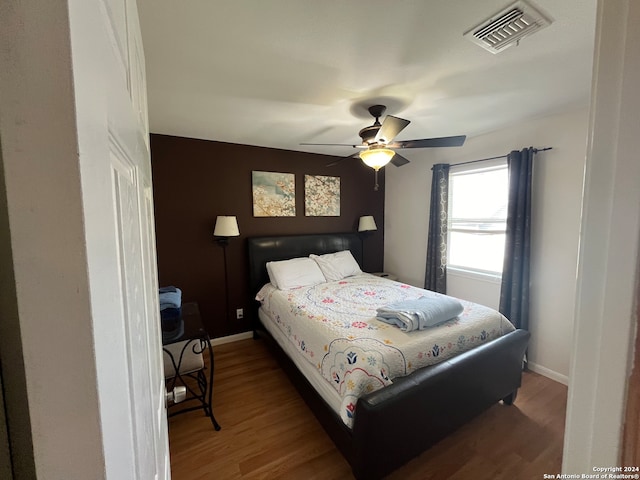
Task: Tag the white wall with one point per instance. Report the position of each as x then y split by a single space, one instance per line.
475 288
557 196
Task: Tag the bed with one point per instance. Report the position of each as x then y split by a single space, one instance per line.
400 418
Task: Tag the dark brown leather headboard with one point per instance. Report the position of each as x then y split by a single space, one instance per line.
266 249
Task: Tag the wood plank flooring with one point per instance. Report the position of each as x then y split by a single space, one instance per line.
268 432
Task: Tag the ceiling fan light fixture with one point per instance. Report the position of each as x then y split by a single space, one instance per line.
376 158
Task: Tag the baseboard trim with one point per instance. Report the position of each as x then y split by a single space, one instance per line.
558 377
231 338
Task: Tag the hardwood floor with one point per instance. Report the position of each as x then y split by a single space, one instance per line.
268 432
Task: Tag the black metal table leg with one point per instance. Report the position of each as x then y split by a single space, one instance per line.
196 337
209 410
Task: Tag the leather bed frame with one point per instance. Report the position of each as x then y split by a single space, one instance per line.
398 422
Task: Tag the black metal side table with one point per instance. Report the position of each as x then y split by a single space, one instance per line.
192 335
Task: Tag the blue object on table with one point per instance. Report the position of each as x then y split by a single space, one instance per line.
173 331
171 313
170 297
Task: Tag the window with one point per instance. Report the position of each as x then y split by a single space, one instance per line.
478 217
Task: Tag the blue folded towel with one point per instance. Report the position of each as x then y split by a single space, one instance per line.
170 297
421 313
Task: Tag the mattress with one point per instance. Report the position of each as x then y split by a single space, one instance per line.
311 373
330 331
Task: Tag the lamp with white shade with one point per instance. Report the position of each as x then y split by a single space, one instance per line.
366 226
226 226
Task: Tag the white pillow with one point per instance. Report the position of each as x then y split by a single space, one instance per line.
272 277
297 272
336 266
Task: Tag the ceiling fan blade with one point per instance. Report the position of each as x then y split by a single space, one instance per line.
399 160
334 145
456 141
340 160
391 127
335 162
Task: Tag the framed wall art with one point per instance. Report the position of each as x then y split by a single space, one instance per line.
274 194
321 196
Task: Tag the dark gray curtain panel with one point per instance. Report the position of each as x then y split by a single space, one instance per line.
436 274
514 292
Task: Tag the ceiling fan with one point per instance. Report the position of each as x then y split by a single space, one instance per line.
378 144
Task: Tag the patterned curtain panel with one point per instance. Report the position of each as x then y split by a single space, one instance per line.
436 275
514 292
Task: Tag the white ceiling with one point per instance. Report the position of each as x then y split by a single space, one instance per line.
276 73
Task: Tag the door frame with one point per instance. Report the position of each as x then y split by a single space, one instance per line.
631 437
52 385
606 295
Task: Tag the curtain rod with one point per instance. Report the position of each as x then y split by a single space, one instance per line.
535 150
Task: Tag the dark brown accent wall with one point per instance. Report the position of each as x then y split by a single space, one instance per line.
197 180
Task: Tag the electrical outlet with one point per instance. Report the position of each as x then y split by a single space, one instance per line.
239 313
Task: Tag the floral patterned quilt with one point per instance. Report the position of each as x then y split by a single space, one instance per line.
333 326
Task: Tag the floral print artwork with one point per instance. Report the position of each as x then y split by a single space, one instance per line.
274 194
321 196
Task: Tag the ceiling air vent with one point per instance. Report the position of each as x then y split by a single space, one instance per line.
508 27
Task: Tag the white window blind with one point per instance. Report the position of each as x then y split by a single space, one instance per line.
477 217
